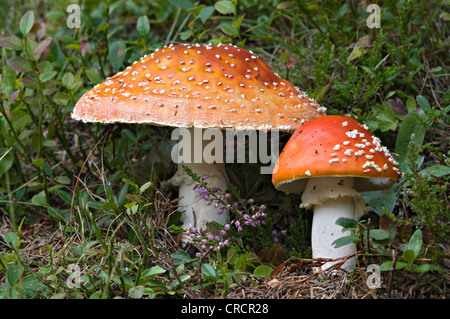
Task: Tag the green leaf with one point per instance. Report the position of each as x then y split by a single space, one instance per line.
368 70
422 268
411 104
435 170
26 22
238 22
14 273
39 200
381 62
136 292
343 241
391 93
426 267
20 119
413 130
68 80
423 102
54 213
11 42
387 265
183 279
66 197
144 187
143 27
122 194
346 222
379 234
241 263
9 76
184 4
129 135
93 76
49 143
109 206
116 55
47 76
39 162
205 13
225 7
342 11
262 271
381 200
416 62
152 272
95 205
61 98
19 64
208 271
229 29
415 242
180 257
41 46
11 239
384 118
6 160
31 285
409 256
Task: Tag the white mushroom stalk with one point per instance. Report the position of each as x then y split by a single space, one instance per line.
198 210
332 198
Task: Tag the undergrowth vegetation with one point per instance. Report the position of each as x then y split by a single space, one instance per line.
85 210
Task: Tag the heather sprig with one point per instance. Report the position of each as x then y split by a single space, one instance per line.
246 216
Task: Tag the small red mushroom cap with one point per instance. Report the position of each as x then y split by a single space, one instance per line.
334 146
198 85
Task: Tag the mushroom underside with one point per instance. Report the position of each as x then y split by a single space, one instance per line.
361 184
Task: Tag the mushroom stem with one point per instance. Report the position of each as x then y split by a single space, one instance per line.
332 198
198 212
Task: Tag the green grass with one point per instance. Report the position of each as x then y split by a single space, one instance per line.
101 198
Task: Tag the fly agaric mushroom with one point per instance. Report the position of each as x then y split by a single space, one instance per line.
198 86
331 159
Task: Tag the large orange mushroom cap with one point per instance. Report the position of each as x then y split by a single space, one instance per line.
198 85
334 146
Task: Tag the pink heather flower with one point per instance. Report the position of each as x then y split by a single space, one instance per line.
292 61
